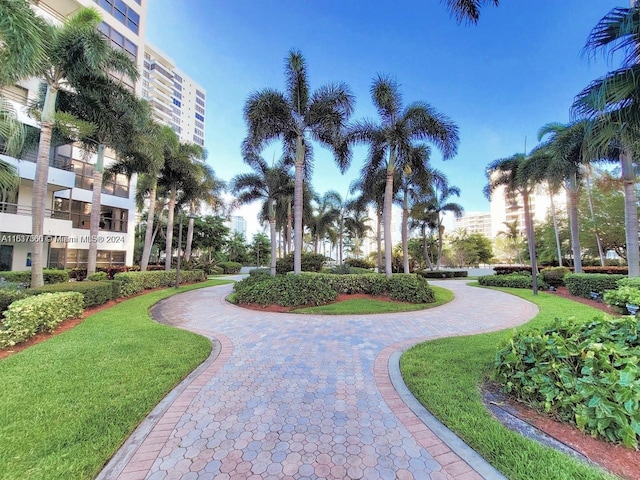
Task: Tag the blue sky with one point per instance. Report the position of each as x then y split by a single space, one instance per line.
500 81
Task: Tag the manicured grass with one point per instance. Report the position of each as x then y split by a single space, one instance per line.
68 403
362 306
445 375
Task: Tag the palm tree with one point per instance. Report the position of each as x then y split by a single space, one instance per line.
510 174
296 117
440 203
356 222
468 10
391 139
326 214
513 235
72 50
612 102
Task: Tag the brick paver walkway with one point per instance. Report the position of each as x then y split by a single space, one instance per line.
304 396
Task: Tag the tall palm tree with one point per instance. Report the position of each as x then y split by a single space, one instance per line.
269 184
356 222
440 203
296 117
391 139
511 174
326 214
72 50
468 10
612 102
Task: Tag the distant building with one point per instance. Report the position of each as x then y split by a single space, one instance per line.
237 224
475 222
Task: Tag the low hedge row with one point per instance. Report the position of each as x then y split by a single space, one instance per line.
50 276
8 295
41 313
135 282
585 372
582 284
230 267
443 273
512 280
507 269
554 276
310 262
93 293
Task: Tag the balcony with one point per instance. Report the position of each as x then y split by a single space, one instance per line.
60 175
16 218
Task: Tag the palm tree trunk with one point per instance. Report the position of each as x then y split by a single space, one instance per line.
94 224
39 196
405 232
531 241
289 227
630 213
272 232
593 215
426 248
148 234
572 200
297 208
192 221
388 197
170 220
341 233
555 227
440 241
379 239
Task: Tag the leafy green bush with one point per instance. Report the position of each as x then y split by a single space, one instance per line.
50 276
135 282
586 373
41 313
622 296
93 293
511 280
310 262
443 273
98 276
629 282
507 269
359 263
371 284
410 288
609 269
230 267
582 284
287 291
554 276
343 269
255 276
9 293
215 270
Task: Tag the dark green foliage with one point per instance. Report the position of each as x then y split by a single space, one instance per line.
372 284
582 284
98 276
411 289
609 269
135 282
443 273
311 262
585 372
255 276
214 270
9 293
507 269
230 267
50 276
360 263
93 293
343 269
553 276
287 291
512 280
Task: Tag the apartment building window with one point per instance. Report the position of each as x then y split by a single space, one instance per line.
200 102
200 117
78 258
200 94
112 219
198 140
145 83
177 102
199 132
177 86
118 186
177 94
177 77
122 13
9 200
177 111
147 56
119 41
200 110
199 125
147 65
145 93
163 71
176 128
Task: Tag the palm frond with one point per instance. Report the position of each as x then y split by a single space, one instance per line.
297 80
467 10
386 96
426 123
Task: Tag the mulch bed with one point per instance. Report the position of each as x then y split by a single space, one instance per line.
564 293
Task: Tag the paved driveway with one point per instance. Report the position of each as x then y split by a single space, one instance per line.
305 396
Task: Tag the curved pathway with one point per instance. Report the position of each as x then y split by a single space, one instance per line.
305 396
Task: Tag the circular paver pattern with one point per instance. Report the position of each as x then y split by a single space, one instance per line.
307 396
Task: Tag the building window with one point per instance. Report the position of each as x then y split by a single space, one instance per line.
147 56
176 85
200 94
77 258
177 111
199 125
118 41
198 140
200 102
178 78
201 111
122 12
163 71
199 132
200 117
177 94
118 186
112 219
177 102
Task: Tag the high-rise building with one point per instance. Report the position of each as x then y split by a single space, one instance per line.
475 222
68 197
237 224
177 100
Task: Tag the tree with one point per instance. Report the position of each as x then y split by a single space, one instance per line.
326 215
468 10
390 140
513 238
270 185
296 117
510 174
612 103
260 248
72 50
471 249
236 248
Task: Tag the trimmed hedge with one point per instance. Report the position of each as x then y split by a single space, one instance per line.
287 291
93 293
582 284
134 282
411 289
371 284
507 269
310 262
8 295
359 263
585 372
443 273
230 267
512 280
41 313
97 277
50 276
554 276
611 270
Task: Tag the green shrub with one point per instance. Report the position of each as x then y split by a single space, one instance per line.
609 270
215 270
411 289
360 271
49 276
287 291
586 373
507 269
230 267
135 282
629 282
622 296
310 262
443 273
359 263
255 276
9 293
582 284
98 276
41 313
511 280
343 269
554 276
371 284
93 293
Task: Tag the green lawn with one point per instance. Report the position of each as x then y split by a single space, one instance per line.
445 374
362 306
68 403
